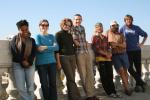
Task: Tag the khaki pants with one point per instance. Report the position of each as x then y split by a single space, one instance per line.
85 69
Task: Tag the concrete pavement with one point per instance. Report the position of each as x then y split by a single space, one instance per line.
101 94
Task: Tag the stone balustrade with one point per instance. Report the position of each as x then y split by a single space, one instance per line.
7 85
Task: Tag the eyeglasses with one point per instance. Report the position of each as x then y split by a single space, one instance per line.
115 25
44 25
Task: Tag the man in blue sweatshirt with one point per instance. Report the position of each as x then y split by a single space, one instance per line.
132 33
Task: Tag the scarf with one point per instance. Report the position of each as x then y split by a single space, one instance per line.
28 45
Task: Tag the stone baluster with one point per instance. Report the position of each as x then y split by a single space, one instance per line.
117 82
3 94
38 90
97 78
132 82
1 89
77 78
65 85
6 66
59 78
11 89
147 73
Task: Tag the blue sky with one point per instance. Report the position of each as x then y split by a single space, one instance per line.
93 11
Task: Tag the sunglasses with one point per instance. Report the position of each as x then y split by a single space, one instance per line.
44 25
115 25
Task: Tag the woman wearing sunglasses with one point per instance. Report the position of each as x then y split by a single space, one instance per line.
45 60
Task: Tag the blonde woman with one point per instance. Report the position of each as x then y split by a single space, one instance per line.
103 56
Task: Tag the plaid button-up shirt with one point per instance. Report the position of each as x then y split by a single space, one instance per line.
100 43
79 36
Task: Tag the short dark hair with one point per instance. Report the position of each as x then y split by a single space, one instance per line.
43 20
22 23
78 15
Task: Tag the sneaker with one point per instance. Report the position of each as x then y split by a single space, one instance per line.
89 98
113 95
95 98
92 98
143 87
128 92
118 95
137 88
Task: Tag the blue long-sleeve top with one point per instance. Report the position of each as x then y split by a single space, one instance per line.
47 56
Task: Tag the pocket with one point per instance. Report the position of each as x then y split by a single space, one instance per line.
16 66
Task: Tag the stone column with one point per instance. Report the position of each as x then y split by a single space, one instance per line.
3 94
147 72
6 66
132 82
59 78
97 79
11 89
145 63
117 82
38 91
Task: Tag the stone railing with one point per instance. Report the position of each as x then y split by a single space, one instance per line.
146 64
5 70
7 85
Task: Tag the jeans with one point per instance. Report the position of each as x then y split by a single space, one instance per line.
47 75
24 79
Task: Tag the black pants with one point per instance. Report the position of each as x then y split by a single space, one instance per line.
47 75
106 76
135 59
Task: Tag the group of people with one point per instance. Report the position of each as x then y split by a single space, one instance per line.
122 48
68 50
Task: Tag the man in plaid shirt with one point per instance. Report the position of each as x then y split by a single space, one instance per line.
80 39
83 58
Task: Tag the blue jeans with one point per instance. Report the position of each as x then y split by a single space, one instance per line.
47 75
24 79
